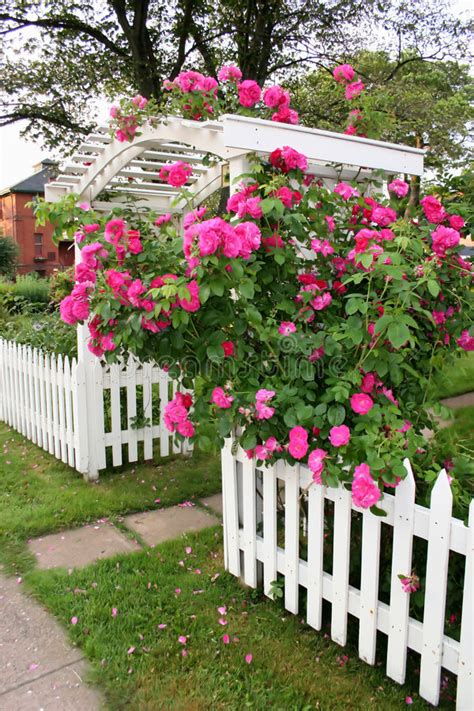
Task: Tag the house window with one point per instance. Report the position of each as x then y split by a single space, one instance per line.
38 244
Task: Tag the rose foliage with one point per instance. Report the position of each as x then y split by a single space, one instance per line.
307 319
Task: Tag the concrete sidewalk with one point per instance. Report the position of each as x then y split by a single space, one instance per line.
39 669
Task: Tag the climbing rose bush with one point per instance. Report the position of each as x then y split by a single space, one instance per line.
307 320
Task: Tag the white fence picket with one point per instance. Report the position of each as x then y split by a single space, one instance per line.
229 477
132 409
42 389
115 414
250 523
403 525
164 434
435 588
369 586
465 700
79 409
292 547
270 482
49 406
340 565
55 406
31 395
315 555
39 429
147 411
68 412
61 409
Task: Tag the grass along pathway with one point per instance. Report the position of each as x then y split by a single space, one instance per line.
39 494
168 628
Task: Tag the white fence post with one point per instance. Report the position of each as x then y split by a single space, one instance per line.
465 695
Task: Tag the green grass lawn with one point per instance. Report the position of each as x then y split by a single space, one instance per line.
141 666
39 494
456 379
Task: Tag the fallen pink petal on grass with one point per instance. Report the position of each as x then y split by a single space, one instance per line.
222 621
130 650
182 639
73 620
177 591
248 658
114 612
162 626
33 667
408 700
184 652
226 639
188 550
222 610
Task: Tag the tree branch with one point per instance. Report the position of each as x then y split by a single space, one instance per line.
58 23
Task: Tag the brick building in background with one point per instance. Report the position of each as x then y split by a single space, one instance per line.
38 253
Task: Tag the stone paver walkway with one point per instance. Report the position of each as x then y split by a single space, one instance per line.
38 667
164 524
80 546
466 400
83 546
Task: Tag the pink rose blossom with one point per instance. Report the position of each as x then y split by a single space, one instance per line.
286 115
339 436
176 174
298 445
354 89
365 492
275 96
456 222
465 341
343 73
229 73
220 399
361 403
434 211
346 191
286 327
249 93
322 247
383 216
316 463
399 187
444 238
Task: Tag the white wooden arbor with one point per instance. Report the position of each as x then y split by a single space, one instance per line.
104 171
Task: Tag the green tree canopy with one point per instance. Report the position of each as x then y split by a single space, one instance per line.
60 56
420 103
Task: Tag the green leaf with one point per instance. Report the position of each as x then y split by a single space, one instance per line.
398 334
336 415
433 287
247 290
377 512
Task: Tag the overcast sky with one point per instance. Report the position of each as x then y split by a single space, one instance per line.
17 156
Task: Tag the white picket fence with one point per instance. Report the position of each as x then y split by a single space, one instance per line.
252 542
44 397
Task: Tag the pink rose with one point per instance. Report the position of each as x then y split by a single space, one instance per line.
354 89
286 115
229 73
176 174
399 187
339 436
361 403
220 399
444 238
298 442
249 93
286 327
316 463
383 216
434 211
368 382
286 159
250 237
275 96
346 191
465 341
343 73
455 221
365 492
